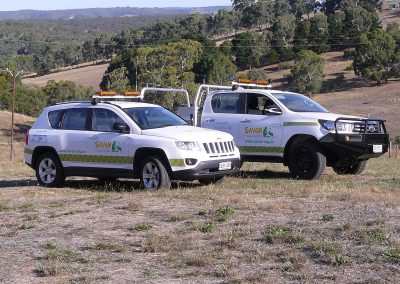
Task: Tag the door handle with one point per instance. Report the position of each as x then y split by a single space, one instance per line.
210 120
245 121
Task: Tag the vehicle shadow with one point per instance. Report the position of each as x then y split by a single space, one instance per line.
265 174
95 185
18 183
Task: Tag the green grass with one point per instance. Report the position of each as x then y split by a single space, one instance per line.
224 212
142 227
327 218
393 255
55 252
282 235
5 207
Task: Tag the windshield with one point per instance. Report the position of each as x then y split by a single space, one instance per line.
154 117
298 103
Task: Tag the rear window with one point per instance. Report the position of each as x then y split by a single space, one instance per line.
54 118
75 119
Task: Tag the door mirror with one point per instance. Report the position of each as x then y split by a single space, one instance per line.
272 110
120 127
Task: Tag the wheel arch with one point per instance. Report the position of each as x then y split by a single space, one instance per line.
41 150
297 138
141 153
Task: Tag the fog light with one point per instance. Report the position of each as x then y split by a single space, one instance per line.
347 138
190 162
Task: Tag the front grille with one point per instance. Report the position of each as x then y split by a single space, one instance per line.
371 127
219 149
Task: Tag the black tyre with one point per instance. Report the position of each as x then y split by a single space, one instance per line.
307 161
214 180
153 174
355 169
49 170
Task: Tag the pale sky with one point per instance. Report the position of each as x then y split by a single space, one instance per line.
12 5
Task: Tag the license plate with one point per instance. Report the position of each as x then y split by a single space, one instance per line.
223 166
377 148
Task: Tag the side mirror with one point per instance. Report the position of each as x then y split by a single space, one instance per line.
273 111
120 127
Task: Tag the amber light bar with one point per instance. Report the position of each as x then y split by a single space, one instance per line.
113 93
257 82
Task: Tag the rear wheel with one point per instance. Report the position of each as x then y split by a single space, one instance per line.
153 174
214 180
306 161
355 169
49 170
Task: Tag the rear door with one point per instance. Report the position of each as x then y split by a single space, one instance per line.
226 111
70 136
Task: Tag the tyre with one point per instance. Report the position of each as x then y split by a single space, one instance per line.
49 170
214 180
306 161
153 174
355 169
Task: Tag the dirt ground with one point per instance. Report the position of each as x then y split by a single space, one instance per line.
257 227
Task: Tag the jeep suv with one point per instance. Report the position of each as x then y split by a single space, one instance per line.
116 139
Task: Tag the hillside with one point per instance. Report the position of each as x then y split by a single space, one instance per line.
87 76
102 12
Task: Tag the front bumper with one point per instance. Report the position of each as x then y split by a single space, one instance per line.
342 149
208 169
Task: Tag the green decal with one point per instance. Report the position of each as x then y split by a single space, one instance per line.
260 149
177 162
97 159
300 123
28 151
267 133
116 147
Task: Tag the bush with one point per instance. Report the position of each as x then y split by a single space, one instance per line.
224 212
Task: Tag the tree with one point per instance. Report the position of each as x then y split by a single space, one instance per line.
118 80
319 33
306 74
255 74
248 49
302 7
285 27
214 68
374 56
65 91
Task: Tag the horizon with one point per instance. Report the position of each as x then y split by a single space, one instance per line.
47 5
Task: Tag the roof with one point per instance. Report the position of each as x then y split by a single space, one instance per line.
121 104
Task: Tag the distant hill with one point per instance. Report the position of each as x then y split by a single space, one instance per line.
102 12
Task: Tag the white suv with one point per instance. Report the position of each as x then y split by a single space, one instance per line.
110 140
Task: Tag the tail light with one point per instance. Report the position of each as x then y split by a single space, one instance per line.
27 138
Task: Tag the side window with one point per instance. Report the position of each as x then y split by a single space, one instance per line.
104 119
74 119
54 118
227 103
256 103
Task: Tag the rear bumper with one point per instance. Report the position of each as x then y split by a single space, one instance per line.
207 169
347 148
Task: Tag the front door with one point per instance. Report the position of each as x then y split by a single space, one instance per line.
106 147
260 133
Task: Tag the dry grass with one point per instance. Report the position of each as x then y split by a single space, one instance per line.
260 226
87 76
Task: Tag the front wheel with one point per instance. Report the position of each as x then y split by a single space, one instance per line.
154 174
307 161
355 169
214 180
49 170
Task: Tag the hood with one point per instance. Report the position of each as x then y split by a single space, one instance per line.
188 133
324 115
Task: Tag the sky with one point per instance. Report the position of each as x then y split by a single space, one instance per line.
12 5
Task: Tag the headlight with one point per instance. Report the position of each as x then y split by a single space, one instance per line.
188 146
342 127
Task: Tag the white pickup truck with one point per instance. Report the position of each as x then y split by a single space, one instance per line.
289 128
